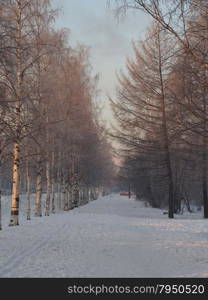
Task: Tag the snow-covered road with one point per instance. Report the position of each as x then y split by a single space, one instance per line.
110 237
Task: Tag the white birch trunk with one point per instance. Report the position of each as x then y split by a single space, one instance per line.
59 196
70 198
59 184
76 195
28 207
14 219
86 195
90 194
82 196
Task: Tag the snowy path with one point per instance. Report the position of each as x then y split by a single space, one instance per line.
110 237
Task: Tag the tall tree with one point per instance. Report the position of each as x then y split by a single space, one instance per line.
18 25
143 107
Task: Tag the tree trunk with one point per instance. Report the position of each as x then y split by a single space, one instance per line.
53 208
129 191
83 195
71 198
58 185
204 180
38 208
0 211
14 219
76 195
0 194
48 189
59 195
86 192
204 155
166 138
171 199
65 198
28 207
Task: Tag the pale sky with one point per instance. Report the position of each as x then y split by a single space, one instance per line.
92 23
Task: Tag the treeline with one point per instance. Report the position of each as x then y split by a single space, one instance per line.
50 138
161 107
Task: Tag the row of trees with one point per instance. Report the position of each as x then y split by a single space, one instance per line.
161 106
51 140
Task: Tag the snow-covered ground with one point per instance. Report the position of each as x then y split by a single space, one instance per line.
110 237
